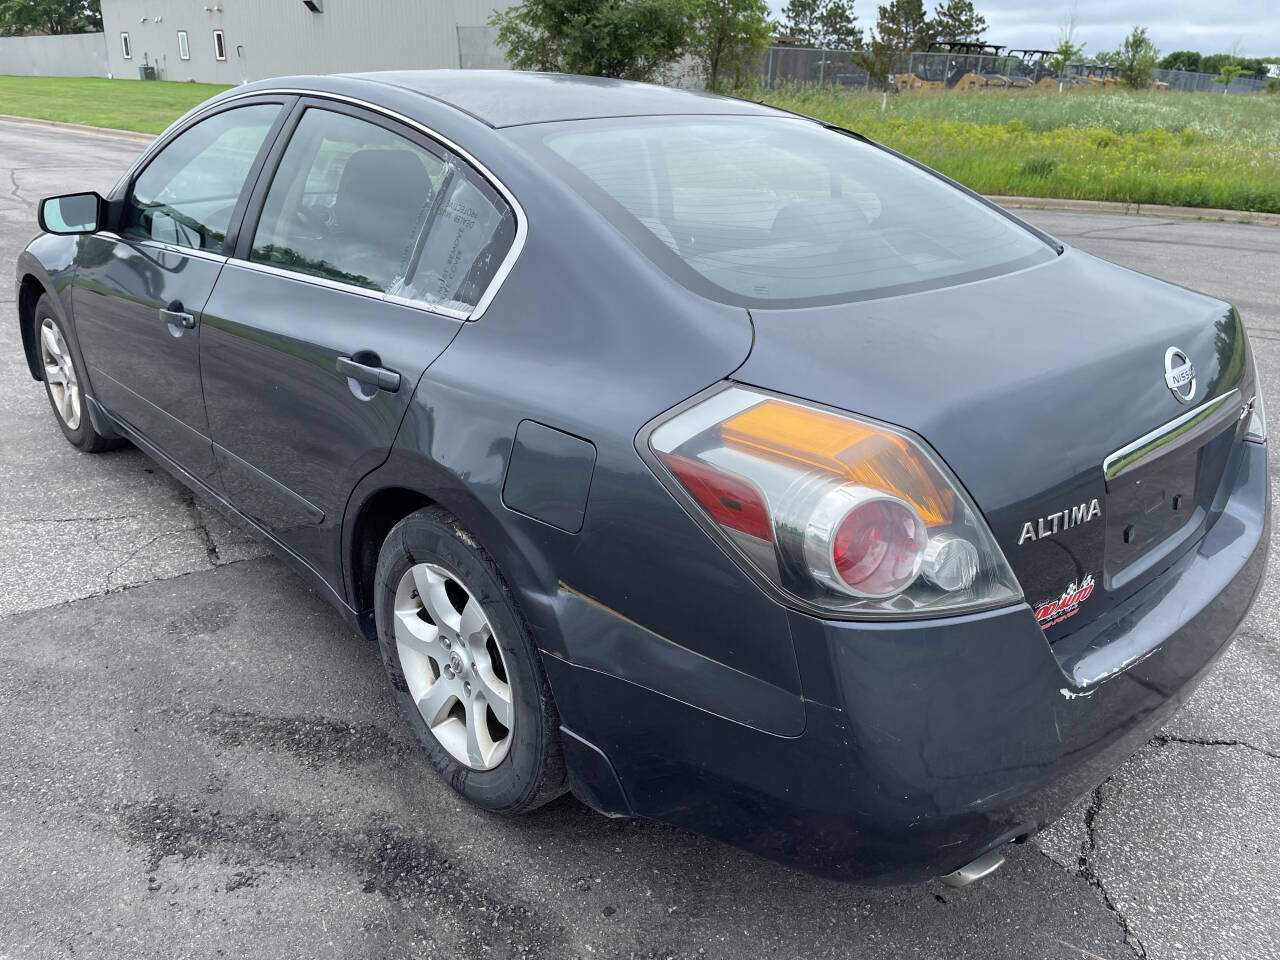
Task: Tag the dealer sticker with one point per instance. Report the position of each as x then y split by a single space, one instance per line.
1052 612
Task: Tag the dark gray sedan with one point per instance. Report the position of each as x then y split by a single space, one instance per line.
715 464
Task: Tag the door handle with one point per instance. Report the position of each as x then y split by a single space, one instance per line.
178 317
379 377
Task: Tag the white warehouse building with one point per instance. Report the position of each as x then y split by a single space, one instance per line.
236 41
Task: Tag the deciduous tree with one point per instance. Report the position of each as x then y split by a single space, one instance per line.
629 39
19 17
1181 60
1136 59
728 37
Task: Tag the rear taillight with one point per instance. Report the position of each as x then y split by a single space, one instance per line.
841 513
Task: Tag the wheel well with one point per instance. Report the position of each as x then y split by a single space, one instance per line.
29 293
379 514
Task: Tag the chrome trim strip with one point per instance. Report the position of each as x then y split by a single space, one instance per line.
522 229
1177 433
160 245
258 267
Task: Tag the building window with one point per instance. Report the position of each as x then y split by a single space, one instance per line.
219 45
184 48
125 47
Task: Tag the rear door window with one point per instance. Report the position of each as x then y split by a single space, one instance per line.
356 203
781 212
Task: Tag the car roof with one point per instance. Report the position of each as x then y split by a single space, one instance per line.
505 98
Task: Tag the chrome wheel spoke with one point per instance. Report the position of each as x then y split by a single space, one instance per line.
435 598
53 374
473 626
52 342
436 701
493 693
479 744
414 633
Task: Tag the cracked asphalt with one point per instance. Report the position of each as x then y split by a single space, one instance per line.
199 759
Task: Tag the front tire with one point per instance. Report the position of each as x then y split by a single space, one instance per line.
64 382
463 668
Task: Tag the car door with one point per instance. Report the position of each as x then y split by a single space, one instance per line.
139 292
365 247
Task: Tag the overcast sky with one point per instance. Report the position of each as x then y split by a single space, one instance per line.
1209 26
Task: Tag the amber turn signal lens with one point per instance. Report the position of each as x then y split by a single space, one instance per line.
852 450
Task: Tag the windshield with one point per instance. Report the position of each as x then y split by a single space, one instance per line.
780 211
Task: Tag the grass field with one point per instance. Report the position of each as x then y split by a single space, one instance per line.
122 104
1190 149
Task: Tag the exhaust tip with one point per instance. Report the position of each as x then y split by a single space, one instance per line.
975 870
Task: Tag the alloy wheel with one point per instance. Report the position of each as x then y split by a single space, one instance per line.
60 373
453 666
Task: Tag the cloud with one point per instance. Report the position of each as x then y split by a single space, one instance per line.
1172 24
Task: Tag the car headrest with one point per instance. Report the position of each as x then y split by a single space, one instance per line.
382 196
831 220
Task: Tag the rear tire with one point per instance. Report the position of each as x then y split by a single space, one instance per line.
64 382
463 667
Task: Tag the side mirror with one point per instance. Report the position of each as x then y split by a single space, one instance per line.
71 214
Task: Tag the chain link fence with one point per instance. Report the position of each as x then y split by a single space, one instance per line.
1186 81
943 70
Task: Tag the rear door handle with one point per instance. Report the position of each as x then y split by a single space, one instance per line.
178 317
379 377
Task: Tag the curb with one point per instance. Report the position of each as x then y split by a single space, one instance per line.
81 128
1138 209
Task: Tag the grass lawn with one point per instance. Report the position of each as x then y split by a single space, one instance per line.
1190 149
123 104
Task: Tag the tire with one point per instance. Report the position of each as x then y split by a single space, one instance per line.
64 382
457 677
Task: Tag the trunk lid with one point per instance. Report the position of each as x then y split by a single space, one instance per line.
1025 384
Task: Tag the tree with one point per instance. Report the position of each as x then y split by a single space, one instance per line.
822 23
1136 59
903 25
955 20
1181 60
1067 53
19 17
1231 69
629 39
728 37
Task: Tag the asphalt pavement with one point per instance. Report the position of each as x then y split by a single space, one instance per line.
199 759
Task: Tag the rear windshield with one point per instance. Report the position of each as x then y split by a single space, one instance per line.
779 211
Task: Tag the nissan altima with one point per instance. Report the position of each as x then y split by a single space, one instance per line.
716 464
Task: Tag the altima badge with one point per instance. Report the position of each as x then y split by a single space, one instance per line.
1179 375
1062 520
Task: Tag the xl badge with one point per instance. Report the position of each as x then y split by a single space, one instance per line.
1055 611
1057 522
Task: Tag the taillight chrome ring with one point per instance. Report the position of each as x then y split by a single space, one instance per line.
825 521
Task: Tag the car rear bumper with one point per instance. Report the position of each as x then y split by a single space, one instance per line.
925 744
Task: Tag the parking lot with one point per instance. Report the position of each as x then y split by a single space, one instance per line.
198 758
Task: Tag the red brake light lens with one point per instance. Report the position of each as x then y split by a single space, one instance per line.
731 501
